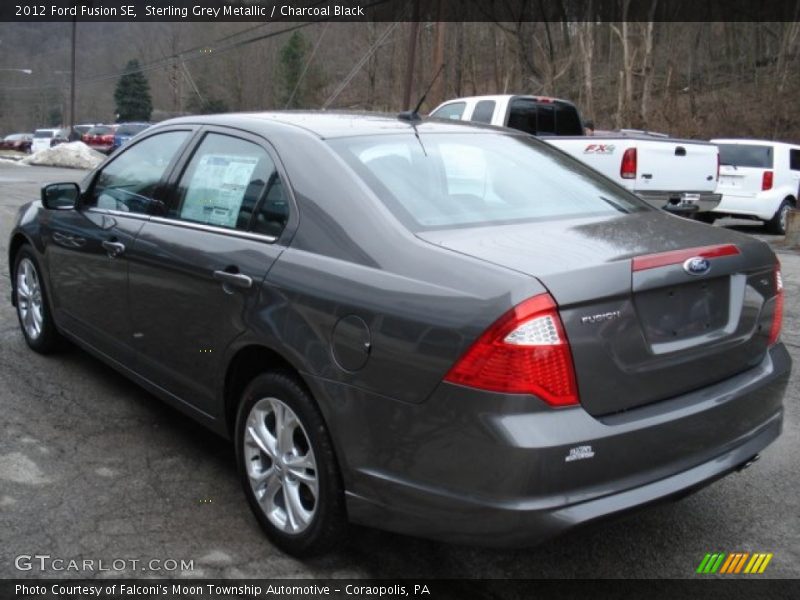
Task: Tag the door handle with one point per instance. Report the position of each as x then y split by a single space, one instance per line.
114 249
233 279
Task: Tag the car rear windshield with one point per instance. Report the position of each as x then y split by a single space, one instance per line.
130 129
100 130
741 155
444 180
544 118
44 133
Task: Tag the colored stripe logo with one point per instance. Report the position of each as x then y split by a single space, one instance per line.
734 563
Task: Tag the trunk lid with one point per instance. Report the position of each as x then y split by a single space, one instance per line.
641 328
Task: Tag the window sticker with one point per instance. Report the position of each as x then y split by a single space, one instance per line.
216 191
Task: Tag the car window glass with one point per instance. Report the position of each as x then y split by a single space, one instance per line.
522 115
745 155
457 180
129 182
483 111
225 180
794 160
450 111
568 121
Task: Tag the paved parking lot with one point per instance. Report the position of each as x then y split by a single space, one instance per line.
92 467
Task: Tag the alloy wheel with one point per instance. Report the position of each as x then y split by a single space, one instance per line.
29 299
281 465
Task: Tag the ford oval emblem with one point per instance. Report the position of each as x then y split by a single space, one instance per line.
697 265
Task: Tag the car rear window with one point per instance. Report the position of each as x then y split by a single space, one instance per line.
43 133
744 155
100 130
456 180
544 118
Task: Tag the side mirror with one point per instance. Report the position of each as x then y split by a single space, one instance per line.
60 196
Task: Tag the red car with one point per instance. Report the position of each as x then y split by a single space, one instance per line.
100 138
21 142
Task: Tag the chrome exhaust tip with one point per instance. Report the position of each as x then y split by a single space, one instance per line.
749 462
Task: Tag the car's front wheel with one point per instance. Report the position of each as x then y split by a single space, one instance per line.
33 310
287 466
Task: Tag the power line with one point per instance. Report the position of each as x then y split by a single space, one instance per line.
305 67
203 51
354 71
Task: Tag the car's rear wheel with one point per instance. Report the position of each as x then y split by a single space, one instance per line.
778 223
287 466
33 310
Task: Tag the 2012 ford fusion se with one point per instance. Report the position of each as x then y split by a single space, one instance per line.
435 328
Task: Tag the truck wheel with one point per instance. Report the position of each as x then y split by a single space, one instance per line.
778 223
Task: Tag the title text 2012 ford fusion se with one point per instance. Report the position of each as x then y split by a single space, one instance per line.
436 328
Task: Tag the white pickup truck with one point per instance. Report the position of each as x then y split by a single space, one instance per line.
677 175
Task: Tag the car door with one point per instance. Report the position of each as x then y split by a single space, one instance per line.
197 271
87 251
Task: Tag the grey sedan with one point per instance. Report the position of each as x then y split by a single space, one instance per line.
430 327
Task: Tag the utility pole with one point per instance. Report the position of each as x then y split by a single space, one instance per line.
438 55
71 123
412 51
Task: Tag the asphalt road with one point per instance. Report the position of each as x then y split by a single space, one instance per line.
92 467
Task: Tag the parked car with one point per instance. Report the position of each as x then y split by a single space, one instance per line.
84 128
47 138
677 175
100 138
436 328
758 179
20 142
126 131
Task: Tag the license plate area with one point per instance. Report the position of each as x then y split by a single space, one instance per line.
684 311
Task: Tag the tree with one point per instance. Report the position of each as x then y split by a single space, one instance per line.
132 95
299 80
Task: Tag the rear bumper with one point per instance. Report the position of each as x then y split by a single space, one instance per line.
762 205
681 202
493 469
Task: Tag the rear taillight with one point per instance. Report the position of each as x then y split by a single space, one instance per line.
627 169
524 352
777 315
766 181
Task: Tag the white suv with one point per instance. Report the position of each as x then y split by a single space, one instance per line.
47 138
758 178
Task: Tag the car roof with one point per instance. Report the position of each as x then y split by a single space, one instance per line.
334 124
752 142
501 97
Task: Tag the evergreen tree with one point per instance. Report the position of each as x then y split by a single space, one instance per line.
132 95
293 58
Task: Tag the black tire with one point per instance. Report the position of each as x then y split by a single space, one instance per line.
777 224
706 217
328 525
48 339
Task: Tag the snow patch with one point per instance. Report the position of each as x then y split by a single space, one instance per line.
19 468
74 155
